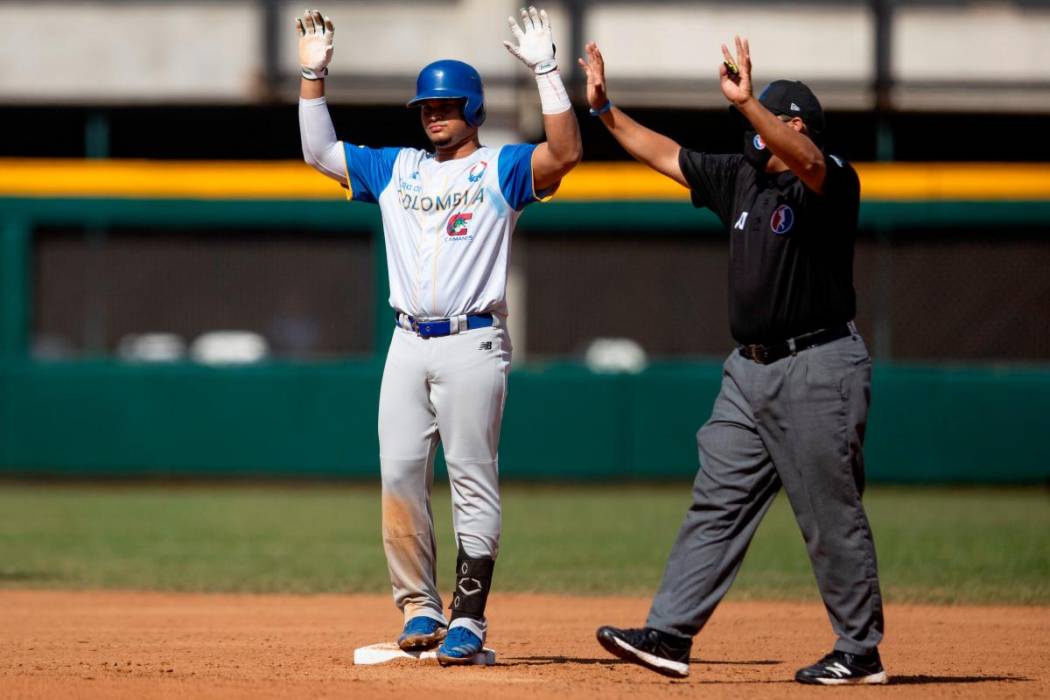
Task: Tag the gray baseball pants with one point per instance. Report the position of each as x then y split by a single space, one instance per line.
449 389
797 423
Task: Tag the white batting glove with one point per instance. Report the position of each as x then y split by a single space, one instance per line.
316 35
536 44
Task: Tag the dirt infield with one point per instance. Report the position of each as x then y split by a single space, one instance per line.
158 645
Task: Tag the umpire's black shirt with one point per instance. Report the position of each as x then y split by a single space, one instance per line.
790 249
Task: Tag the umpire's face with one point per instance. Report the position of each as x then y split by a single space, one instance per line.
444 122
795 123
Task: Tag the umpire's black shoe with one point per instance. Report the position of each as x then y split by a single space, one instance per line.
842 668
656 650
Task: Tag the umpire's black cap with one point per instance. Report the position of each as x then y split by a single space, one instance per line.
795 99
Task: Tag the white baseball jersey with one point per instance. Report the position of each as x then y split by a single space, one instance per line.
447 224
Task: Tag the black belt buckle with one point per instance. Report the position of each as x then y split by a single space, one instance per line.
757 353
767 354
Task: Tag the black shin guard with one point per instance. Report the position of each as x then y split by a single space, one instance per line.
473 582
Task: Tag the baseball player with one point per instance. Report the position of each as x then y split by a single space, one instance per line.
794 398
447 216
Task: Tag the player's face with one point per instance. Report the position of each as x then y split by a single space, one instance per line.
444 122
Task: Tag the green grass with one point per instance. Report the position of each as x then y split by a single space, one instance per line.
934 545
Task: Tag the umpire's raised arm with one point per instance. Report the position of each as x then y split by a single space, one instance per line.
645 145
534 46
785 139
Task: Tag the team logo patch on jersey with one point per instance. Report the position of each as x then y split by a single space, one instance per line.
759 143
782 220
477 171
457 224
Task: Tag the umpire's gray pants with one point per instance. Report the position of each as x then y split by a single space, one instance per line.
798 422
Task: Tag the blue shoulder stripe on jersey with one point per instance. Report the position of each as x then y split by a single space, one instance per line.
515 175
370 170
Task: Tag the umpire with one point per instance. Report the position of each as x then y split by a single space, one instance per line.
794 398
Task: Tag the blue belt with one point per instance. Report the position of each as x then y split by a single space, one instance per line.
443 326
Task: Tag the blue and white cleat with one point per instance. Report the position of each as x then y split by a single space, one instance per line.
460 647
421 633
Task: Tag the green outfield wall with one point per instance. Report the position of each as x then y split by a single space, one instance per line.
945 423
933 424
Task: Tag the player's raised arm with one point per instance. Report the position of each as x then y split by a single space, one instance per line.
785 139
645 145
534 46
320 147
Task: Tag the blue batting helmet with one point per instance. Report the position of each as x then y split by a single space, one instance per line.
450 80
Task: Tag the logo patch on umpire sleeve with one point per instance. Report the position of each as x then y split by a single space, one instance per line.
782 220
